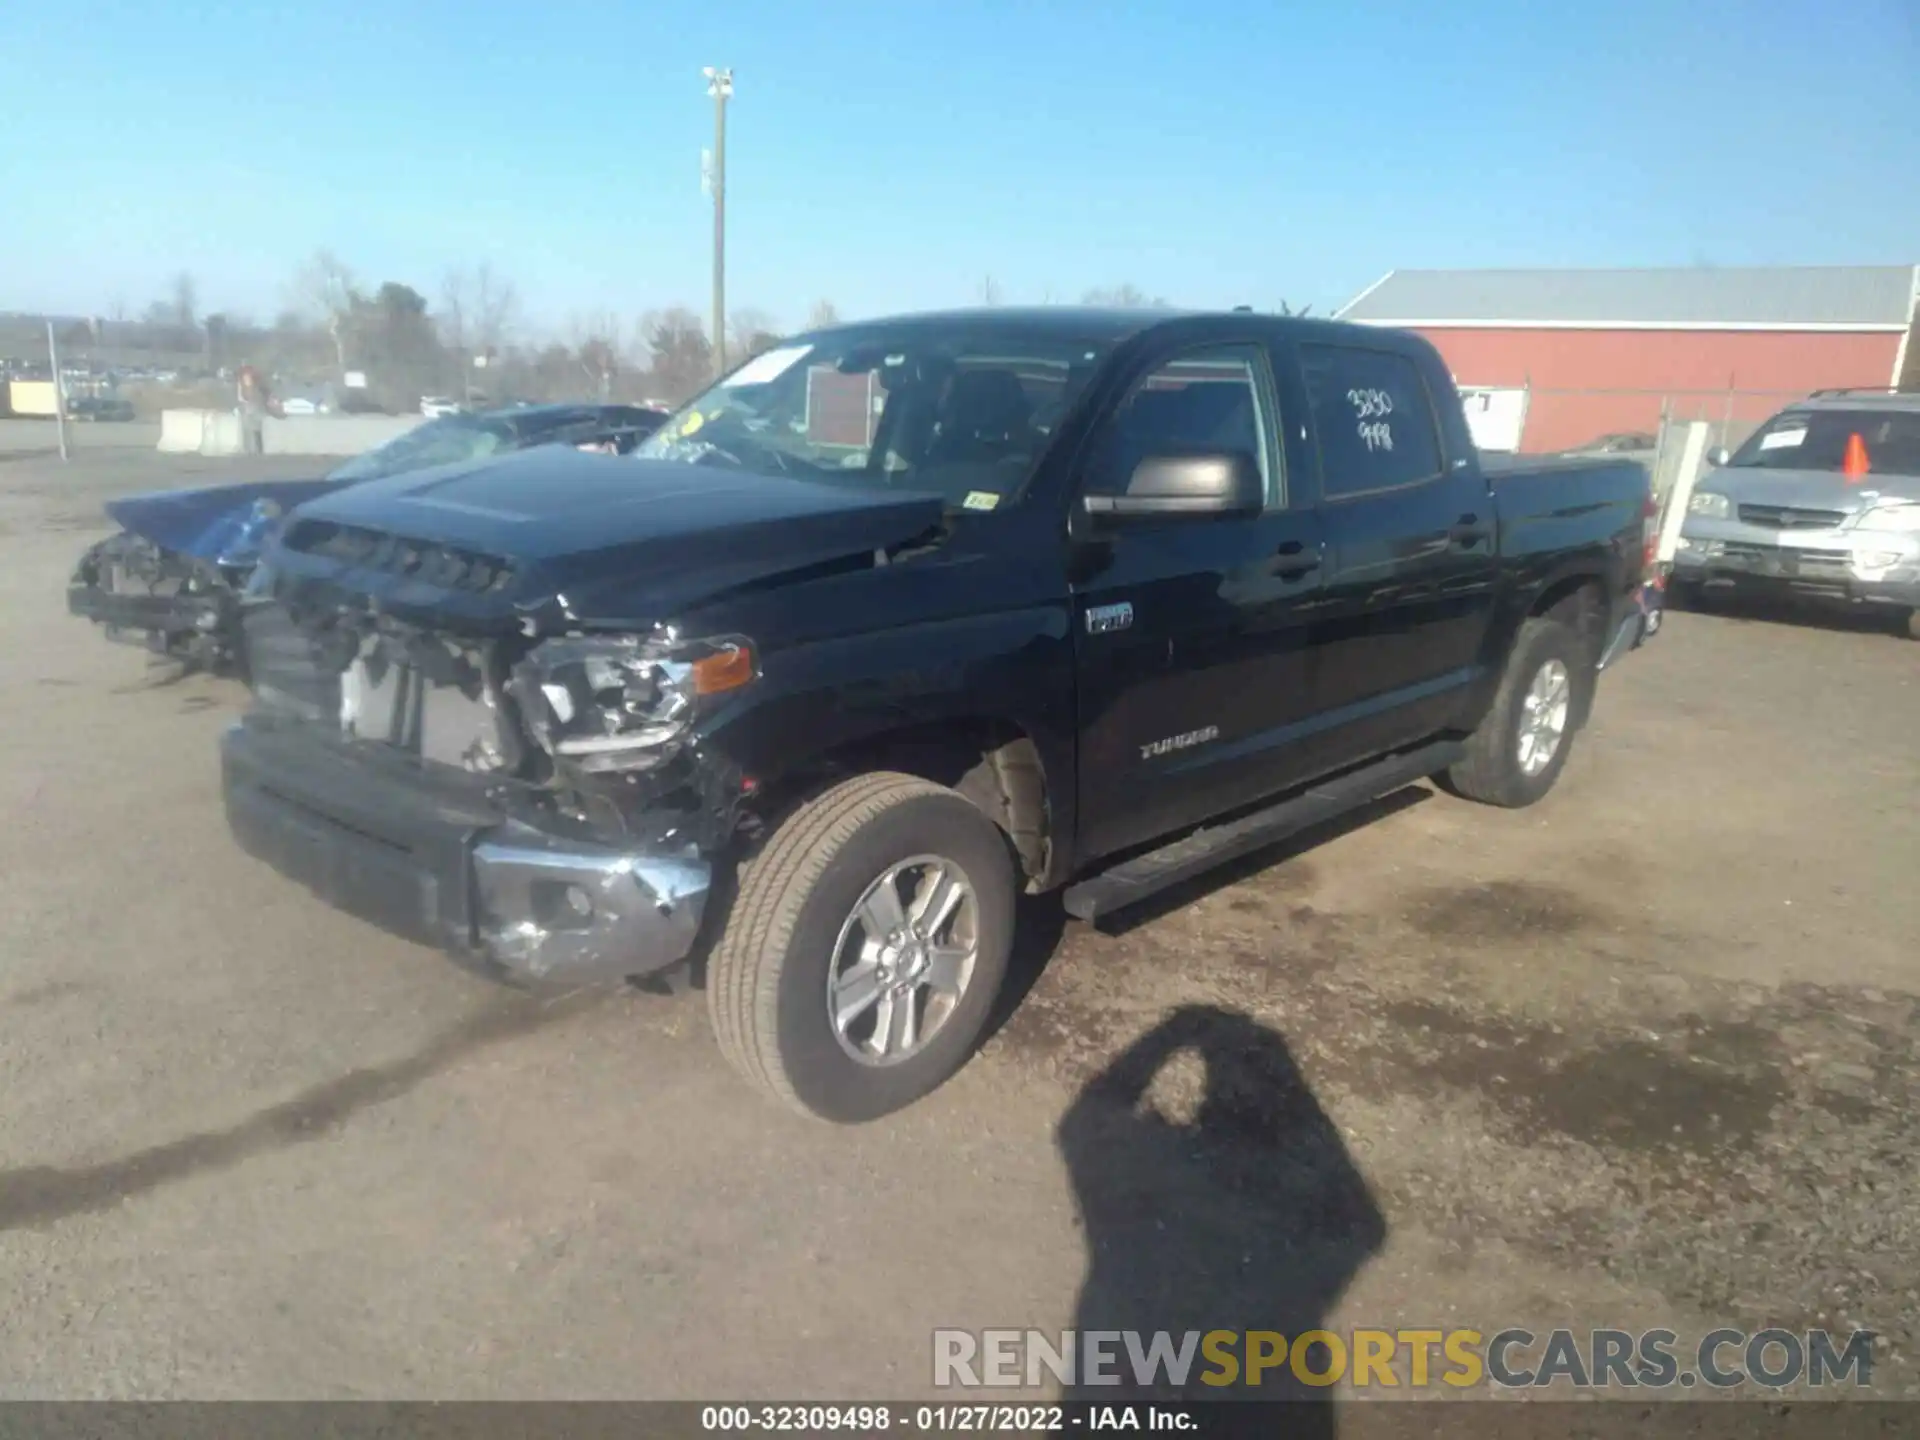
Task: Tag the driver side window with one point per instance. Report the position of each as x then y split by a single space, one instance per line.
1213 399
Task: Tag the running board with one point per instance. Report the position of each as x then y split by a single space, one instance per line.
1144 875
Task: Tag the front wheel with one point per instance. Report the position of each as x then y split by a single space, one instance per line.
864 949
1521 746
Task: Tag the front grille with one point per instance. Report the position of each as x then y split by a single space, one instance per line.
456 720
448 566
1794 560
416 693
1790 517
287 668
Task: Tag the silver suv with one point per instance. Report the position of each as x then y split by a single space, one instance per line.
1823 500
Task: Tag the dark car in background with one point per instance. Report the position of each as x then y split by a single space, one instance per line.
171 578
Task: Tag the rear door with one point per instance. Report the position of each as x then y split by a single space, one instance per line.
1411 552
1192 633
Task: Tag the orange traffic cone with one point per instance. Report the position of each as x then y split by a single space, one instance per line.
1855 464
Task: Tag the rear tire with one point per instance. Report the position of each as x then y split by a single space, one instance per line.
1518 752
796 933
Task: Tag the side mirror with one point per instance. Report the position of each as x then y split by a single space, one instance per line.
1186 484
1719 455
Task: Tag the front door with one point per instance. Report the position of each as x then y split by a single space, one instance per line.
1194 662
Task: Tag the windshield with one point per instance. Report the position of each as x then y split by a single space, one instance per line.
446 441
961 411
1818 440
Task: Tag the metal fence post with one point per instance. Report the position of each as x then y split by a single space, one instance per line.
1660 438
59 394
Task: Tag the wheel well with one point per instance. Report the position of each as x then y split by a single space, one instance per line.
993 763
1580 601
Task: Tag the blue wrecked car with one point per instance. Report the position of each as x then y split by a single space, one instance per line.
171 579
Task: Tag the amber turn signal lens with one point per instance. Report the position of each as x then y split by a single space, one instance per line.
724 670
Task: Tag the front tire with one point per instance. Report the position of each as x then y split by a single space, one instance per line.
1521 746
864 948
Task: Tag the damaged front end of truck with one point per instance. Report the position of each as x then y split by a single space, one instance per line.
483 751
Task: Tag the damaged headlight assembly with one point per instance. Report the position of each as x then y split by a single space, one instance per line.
604 704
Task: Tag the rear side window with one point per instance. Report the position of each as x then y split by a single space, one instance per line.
1373 419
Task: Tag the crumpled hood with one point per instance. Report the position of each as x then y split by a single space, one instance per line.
214 523
602 537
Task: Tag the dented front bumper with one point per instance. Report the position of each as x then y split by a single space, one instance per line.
435 860
143 595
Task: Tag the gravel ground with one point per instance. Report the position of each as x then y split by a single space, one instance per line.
1643 1055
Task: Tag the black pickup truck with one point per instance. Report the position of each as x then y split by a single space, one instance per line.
895 622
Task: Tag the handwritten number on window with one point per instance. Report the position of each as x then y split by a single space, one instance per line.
1370 408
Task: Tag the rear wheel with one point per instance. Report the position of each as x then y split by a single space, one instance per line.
864 948
1518 752
1912 625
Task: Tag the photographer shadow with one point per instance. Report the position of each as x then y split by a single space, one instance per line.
1245 1213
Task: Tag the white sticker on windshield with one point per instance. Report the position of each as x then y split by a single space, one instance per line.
770 366
1783 439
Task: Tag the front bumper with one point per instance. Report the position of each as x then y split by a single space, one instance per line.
434 860
140 596
1858 567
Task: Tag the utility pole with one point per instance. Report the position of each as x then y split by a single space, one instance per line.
720 87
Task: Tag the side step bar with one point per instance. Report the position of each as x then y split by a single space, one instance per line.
1144 875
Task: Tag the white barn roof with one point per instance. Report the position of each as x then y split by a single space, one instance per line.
1806 297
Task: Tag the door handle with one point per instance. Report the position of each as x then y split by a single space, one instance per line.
1292 561
1466 533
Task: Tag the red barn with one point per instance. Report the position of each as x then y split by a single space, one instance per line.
1578 354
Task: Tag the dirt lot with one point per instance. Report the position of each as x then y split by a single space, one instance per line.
1644 1055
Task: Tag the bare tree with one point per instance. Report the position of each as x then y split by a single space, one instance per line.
595 340
324 290
822 315
749 332
682 356
1301 313
186 301
989 290
1123 297
479 311
496 307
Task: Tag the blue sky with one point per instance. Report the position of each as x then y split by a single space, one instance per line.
891 156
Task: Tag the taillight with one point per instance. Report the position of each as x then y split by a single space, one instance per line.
1649 537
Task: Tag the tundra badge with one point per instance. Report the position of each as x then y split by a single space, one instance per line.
1102 619
1179 742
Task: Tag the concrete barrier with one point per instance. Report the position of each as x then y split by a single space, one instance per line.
333 434
181 431
218 432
